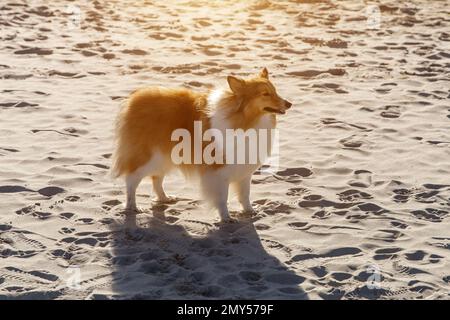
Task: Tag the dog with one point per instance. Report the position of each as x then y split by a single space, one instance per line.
145 141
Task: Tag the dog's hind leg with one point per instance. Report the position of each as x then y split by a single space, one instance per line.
132 181
243 192
152 167
215 188
158 188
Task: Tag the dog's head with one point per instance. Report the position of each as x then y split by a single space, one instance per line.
258 94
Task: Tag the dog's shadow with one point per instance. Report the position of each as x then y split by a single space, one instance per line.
155 257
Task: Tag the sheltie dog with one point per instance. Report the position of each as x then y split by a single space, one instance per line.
145 137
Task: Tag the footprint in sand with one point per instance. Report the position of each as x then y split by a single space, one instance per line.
299 172
420 255
286 251
430 214
372 208
21 278
332 294
88 53
387 235
273 207
41 215
60 254
390 111
298 225
353 195
50 191
108 56
329 86
410 271
108 205
398 224
361 179
316 201
88 241
341 276
319 271
386 253
72 198
297 191
136 52
26 210
334 123
351 142
66 215
321 214
20 244
402 195
197 227
85 221
38 51
428 195
66 230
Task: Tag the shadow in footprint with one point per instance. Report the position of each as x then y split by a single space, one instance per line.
155 259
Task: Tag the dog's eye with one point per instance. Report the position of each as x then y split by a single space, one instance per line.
266 94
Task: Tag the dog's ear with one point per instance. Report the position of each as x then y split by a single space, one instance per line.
236 84
264 73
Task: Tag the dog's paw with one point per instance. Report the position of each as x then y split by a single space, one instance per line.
250 212
129 210
166 200
228 220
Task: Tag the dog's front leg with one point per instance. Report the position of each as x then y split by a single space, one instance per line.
220 200
243 192
215 188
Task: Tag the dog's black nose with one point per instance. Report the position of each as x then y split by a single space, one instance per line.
287 104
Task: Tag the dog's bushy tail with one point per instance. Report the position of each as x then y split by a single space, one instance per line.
119 157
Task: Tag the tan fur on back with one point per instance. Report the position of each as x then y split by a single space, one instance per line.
147 121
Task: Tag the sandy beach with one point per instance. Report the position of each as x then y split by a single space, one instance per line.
359 207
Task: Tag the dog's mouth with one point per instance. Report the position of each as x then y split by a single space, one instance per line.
272 110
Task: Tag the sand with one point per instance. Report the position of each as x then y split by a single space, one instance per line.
359 208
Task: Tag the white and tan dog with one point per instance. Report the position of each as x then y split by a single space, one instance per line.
146 126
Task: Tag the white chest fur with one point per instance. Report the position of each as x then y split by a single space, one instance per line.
253 152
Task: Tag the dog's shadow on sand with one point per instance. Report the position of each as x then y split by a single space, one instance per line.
159 257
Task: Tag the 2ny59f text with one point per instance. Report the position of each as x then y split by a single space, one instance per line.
246 309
